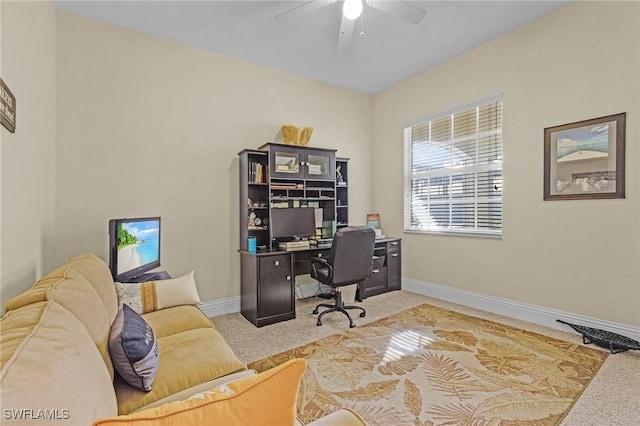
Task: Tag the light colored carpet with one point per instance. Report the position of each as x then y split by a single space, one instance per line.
612 397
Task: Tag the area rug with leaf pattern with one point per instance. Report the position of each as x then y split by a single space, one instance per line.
432 366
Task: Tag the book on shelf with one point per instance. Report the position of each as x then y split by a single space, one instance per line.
257 172
314 169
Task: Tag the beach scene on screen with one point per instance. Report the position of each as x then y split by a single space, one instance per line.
138 244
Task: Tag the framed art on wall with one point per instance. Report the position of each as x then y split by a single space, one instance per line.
7 107
586 159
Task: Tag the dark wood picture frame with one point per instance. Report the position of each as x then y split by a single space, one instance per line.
585 159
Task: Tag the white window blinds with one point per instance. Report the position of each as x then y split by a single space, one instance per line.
453 171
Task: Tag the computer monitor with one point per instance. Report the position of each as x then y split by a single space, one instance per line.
291 223
134 247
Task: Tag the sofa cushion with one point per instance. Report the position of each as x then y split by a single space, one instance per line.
176 320
85 288
49 362
91 267
153 295
203 387
33 295
134 349
268 398
97 272
186 359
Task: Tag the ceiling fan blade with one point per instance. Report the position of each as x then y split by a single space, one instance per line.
302 9
345 37
399 8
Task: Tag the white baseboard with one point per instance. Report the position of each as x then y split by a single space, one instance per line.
522 311
221 307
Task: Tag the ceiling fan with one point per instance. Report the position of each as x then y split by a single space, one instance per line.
352 10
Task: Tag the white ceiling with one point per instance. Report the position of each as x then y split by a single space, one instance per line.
391 49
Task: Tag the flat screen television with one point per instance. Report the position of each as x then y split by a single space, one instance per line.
298 222
134 247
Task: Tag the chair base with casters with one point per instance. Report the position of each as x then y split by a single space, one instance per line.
338 307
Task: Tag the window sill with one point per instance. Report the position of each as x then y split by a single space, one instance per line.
491 236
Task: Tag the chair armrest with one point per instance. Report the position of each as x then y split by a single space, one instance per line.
342 417
316 264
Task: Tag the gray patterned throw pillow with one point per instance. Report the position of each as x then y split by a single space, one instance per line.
134 349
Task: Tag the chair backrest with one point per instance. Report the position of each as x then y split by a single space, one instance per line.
352 254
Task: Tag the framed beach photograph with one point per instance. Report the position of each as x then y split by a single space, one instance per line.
585 160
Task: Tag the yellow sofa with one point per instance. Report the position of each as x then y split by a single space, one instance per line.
55 365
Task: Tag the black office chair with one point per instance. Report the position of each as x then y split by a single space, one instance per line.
349 262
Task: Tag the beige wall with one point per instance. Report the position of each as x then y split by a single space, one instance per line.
27 156
580 62
149 127
182 114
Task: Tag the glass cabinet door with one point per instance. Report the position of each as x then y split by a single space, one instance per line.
300 163
286 163
319 165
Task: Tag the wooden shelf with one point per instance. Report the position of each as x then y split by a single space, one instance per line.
287 190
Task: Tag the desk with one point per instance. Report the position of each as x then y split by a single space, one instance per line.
267 281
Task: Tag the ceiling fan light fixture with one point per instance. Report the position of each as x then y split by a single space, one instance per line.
352 9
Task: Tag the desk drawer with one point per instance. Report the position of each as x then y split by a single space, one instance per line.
393 247
320 253
376 283
303 260
307 255
274 263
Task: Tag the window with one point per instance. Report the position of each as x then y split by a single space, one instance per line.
453 171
